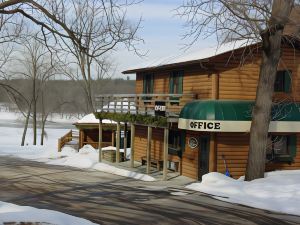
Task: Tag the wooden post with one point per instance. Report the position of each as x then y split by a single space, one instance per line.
212 153
118 143
81 139
100 140
125 141
113 138
166 146
149 150
132 129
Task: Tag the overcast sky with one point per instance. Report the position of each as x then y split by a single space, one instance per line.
161 30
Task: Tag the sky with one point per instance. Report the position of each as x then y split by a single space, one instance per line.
161 30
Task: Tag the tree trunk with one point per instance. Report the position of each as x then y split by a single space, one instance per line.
34 112
261 114
43 131
26 126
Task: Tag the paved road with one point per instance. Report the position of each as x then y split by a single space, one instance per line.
108 199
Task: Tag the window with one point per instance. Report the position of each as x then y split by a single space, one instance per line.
176 82
148 84
176 142
281 148
283 81
174 139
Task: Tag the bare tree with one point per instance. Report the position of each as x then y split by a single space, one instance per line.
49 16
100 26
34 64
256 21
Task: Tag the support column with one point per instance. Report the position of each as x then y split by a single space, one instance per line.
113 138
125 141
81 138
100 140
213 153
149 150
118 143
132 129
166 146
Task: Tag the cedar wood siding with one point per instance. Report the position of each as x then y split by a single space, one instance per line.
140 143
240 81
236 81
234 147
194 81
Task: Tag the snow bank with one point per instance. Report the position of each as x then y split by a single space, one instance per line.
278 191
122 172
86 158
14 213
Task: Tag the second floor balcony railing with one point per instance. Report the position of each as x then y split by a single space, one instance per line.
168 105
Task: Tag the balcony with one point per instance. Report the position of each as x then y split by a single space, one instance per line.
163 105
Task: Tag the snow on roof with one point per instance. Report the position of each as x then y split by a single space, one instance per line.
194 55
90 118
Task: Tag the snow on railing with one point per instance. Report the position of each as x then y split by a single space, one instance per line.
145 104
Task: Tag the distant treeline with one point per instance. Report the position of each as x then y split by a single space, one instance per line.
69 91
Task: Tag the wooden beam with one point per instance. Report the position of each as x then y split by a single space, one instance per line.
118 143
100 140
166 146
149 150
213 153
125 141
132 144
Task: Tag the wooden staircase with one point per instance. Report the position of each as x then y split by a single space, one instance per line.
70 139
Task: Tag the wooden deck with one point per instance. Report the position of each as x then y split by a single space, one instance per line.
144 104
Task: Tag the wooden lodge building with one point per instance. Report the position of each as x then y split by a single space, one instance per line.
193 112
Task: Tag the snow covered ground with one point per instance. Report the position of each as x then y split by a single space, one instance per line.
10 138
86 158
278 191
14 213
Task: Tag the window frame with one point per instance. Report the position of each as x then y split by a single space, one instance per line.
291 149
285 79
178 148
148 83
178 75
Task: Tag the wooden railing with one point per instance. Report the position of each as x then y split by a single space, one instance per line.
142 103
64 139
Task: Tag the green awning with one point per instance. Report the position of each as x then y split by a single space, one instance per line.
235 116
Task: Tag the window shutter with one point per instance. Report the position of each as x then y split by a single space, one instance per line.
144 84
292 143
288 81
180 74
171 83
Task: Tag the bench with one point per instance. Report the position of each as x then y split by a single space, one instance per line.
159 163
155 162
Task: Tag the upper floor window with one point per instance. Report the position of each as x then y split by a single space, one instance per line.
148 84
283 81
176 78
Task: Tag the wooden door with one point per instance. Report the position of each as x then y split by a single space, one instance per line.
203 157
